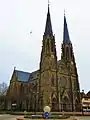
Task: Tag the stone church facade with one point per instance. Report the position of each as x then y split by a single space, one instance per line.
55 83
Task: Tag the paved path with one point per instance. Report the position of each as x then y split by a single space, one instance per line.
8 117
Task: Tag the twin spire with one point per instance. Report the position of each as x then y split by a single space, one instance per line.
66 38
48 28
49 31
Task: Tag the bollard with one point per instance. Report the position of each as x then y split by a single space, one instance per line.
25 113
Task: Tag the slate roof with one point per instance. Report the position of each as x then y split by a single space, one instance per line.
26 76
33 75
22 76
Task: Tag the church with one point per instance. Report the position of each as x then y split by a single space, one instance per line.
54 84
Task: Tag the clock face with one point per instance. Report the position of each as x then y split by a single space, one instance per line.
63 81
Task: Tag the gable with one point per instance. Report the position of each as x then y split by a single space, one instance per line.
63 67
13 77
22 76
34 75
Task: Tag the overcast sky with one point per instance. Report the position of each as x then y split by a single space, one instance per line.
21 49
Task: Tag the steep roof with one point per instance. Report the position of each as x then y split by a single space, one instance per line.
33 75
66 38
48 28
88 94
25 76
22 76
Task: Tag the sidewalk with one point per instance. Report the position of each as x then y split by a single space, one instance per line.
15 118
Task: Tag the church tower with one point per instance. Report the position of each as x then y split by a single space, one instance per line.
48 68
67 56
67 50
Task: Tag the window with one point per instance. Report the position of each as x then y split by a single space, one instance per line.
52 80
52 46
67 52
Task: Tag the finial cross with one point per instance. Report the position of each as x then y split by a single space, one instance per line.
48 2
64 12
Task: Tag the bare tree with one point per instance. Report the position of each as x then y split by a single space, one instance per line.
3 88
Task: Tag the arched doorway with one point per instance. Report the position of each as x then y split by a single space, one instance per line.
54 104
65 104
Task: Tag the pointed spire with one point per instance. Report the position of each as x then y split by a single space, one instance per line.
66 38
48 28
48 2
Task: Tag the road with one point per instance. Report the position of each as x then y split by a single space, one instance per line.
8 117
13 117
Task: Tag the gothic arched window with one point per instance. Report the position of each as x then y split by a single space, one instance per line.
21 88
52 80
48 47
67 52
66 104
71 52
63 50
52 46
54 102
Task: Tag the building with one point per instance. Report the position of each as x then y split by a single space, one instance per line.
86 102
55 83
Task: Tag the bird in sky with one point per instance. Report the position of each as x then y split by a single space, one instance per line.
30 32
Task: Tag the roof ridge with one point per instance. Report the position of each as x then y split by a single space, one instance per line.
22 71
35 71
